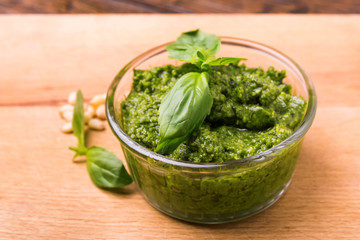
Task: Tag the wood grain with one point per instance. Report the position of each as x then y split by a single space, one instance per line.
179 6
43 195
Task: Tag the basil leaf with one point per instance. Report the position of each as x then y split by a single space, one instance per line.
188 53
211 43
194 47
183 110
224 61
78 124
105 169
78 121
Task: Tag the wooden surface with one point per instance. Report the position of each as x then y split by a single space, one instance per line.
179 6
43 195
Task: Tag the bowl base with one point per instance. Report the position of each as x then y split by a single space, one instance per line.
219 219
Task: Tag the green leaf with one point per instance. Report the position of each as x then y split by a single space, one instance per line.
188 53
183 110
194 47
224 61
105 169
211 43
78 124
78 121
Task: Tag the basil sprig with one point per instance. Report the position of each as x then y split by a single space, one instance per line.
104 168
186 105
194 47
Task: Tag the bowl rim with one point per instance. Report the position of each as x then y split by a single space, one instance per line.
257 158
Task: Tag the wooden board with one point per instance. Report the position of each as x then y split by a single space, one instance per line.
43 195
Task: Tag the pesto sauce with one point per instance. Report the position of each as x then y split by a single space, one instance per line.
253 110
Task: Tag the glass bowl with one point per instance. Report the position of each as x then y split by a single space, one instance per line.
213 192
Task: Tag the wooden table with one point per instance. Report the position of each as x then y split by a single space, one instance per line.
43 195
179 6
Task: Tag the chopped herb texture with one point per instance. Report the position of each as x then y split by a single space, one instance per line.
252 111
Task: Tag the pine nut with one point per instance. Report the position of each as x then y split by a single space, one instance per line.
72 98
67 116
97 100
91 111
67 128
100 112
79 159
65 108
87 117
96 124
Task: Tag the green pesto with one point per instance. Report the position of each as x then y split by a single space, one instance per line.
253 110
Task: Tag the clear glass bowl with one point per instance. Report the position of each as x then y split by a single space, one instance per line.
213 192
